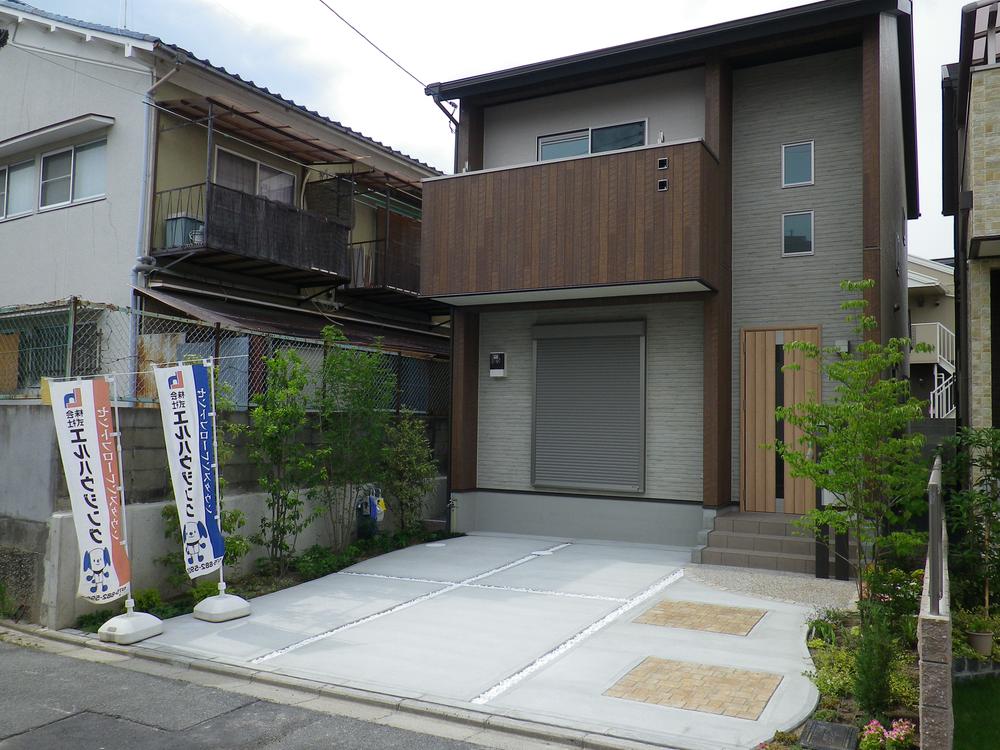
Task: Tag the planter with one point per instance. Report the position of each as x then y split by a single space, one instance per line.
982 643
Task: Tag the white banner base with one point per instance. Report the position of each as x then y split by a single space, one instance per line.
130 627
221 607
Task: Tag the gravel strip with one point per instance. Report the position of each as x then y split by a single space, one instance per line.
769 584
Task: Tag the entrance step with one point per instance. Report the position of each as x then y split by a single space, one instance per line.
768 541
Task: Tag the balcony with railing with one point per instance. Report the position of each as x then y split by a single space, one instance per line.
392 265
228 231
627 221
940 338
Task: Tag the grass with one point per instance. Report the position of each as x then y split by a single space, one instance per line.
977 721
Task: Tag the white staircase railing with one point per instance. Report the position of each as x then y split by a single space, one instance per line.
942 399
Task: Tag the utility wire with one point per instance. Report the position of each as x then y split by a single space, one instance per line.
381 51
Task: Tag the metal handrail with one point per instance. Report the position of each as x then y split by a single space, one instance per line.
935 563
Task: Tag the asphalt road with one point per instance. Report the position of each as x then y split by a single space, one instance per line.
61 703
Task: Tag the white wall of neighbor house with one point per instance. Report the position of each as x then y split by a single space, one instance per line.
674 367
815 98
672 102
85 249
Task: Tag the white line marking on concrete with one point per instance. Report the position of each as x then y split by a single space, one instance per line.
506 684
404 605
487 586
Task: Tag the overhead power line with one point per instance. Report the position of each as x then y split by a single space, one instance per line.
381 51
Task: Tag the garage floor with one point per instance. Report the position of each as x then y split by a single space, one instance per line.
604 637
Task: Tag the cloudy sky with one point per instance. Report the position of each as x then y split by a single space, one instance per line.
300 49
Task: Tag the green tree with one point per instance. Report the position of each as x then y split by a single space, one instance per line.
857 445
287 470
408 468
354 402
975 512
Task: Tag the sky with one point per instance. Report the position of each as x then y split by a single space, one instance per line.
303 51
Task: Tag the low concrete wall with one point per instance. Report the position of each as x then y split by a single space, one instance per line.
580 517
934 650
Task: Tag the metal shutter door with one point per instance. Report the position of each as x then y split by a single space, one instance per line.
589 412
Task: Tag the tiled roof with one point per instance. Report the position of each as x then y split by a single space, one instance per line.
17 5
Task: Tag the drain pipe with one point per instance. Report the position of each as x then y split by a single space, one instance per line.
144 263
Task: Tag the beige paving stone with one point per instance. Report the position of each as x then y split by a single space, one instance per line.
713 618
725 691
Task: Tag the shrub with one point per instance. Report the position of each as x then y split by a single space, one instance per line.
203 589
147 600
834 673
409 469
318 561
873 661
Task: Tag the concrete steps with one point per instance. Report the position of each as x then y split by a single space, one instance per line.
768 541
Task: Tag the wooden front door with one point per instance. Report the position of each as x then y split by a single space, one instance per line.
765 483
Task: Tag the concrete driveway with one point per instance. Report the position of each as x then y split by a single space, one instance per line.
603 637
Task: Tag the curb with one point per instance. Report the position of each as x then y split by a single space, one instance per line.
451 714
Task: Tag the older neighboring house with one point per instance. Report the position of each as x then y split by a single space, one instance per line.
931 295
632 235
136 175
971 184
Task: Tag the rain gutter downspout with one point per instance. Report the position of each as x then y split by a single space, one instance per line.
145 198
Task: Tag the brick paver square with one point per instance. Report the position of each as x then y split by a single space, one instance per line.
740 693
713 618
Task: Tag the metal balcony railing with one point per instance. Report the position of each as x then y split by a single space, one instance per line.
209 218
395 265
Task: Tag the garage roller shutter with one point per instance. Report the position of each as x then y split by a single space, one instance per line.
589 384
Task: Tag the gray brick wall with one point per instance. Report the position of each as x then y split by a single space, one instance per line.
814 98
673 395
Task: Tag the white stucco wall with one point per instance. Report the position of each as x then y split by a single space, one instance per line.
87 249
672 102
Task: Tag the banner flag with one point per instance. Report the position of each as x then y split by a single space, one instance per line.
85 429
185 394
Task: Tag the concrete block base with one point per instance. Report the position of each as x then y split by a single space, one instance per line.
131 627
221 608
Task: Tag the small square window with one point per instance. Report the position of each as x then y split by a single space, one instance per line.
662 185
662 162
797 164
797 233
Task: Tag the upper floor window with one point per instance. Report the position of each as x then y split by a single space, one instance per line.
250 176
591 141
797 233
19 189
797 164
72 174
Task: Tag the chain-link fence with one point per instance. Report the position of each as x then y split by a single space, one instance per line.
78 338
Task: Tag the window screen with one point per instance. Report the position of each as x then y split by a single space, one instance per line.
90 170
276 185
235 172
589 406
21 188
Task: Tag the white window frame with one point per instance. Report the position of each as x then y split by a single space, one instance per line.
41 181
812 224
7 168
89 198
258 163
812 164
3 201
566 135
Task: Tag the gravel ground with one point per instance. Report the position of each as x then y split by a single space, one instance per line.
770 584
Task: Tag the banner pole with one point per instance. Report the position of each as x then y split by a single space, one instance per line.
215 467
129 601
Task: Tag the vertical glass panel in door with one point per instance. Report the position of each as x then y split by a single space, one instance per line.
236 173
276 185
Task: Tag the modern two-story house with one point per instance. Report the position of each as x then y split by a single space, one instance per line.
136 175
630 237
